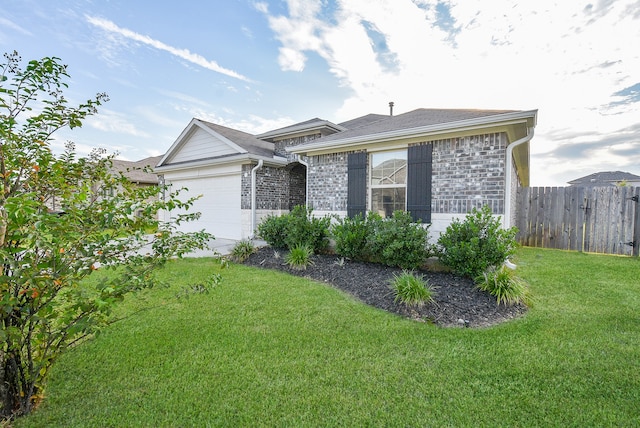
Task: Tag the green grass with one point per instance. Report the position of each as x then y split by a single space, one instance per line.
268 349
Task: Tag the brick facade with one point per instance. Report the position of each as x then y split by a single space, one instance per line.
328 182
281 145
468 172
278 188
272 188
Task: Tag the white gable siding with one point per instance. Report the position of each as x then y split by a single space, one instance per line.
202 145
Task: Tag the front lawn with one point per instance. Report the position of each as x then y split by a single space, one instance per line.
268 349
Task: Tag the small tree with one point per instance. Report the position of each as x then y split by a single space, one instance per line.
44 307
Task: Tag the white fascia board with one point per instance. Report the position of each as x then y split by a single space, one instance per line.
276 161
466 125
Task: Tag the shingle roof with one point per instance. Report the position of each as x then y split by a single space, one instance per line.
247 141
321 125
134 170
604 178
413 119
363 120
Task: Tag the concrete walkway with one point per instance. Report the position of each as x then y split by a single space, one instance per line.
221 247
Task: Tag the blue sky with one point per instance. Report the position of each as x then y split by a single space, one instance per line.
258 65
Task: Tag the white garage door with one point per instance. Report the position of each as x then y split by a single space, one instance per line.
219 205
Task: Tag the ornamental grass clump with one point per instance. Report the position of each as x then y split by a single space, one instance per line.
299 257
411 289
505 286
242 250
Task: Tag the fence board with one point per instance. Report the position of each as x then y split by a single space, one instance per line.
636 223
600 219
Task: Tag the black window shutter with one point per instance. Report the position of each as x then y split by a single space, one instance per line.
419 160
356 184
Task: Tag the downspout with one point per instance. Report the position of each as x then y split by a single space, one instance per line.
253 197
509 169
306 180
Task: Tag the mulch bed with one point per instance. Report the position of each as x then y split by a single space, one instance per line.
458 303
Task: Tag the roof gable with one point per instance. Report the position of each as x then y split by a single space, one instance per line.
204 140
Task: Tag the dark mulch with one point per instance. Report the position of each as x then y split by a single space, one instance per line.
457 301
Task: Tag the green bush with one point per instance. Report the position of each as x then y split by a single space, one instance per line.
273 230
299 256
398 241
303 229
296 228
350 235
411 289
504 285
472 246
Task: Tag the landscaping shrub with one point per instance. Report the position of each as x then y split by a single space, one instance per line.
272 230
302 228
398 241
350 235
299 256
504 285
296 228
411 289
472 246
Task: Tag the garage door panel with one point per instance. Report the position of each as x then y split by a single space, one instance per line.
219 205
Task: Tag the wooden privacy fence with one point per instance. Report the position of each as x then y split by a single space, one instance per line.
589 219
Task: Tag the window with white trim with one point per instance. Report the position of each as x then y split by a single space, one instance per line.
388 182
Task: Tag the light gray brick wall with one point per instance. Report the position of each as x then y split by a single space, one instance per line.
272 188
281 145
276 188
468 172
328 182
516 184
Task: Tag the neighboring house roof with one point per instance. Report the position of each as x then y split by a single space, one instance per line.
605 178
202 142
135 170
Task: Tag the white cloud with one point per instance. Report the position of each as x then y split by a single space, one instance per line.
14 27
564 58
184 54
113 122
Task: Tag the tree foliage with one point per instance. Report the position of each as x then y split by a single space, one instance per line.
57 226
